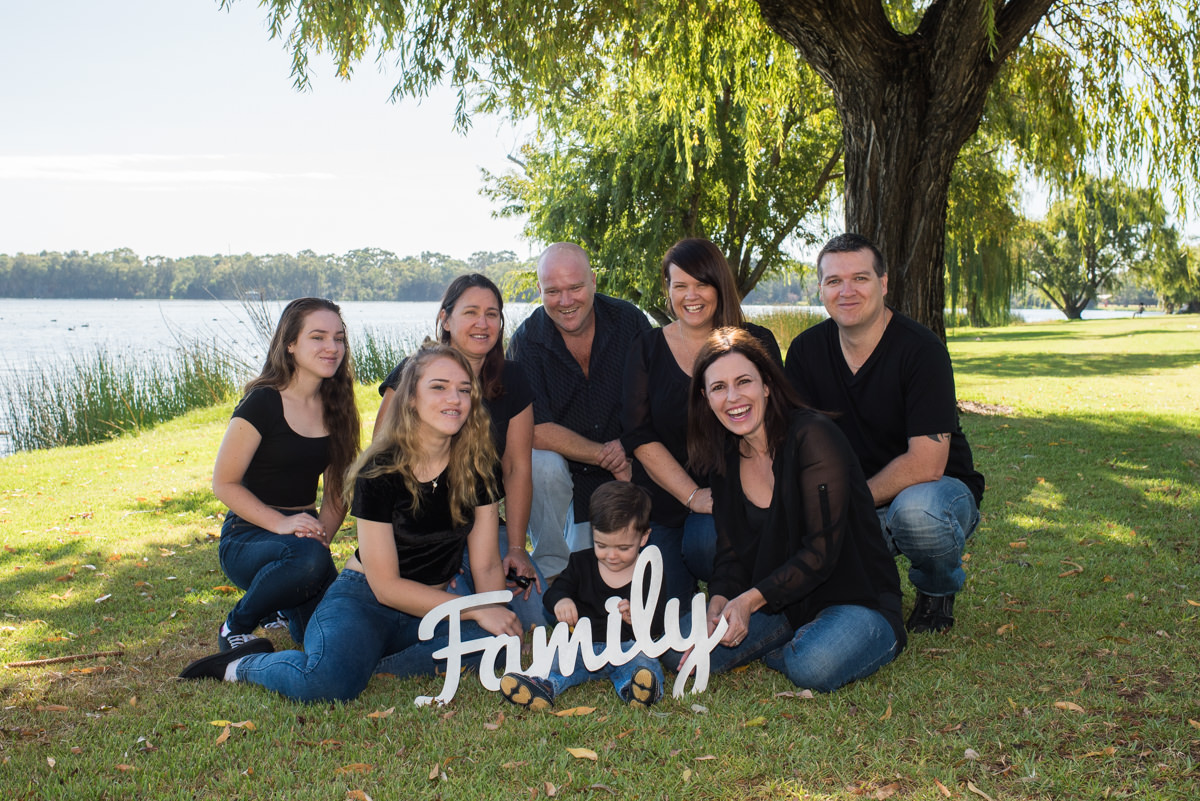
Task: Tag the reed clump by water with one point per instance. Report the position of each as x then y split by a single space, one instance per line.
98 397
787 325
377 352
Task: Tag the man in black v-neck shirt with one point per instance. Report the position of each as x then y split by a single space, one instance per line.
889 383
573 349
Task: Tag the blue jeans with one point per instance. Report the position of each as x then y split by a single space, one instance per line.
529 611
620 675
279 572
930 523
552 524
347 637
700 545
677 581
842 644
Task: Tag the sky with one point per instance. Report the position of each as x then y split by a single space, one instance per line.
173 128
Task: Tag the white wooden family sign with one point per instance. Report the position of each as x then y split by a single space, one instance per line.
569 645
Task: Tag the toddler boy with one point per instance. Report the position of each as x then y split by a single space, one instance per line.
620 516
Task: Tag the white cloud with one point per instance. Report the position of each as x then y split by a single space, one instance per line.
140 169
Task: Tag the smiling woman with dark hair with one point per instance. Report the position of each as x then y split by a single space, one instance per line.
801 573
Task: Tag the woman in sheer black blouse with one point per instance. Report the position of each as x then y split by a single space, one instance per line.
802 574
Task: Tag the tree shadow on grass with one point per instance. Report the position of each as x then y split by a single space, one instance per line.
1074 365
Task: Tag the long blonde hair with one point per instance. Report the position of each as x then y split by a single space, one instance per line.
397 448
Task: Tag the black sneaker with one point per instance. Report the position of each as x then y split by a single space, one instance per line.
275 620
643 690
931 613
526 691
213 667
227 642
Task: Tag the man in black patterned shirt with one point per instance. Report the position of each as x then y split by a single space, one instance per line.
573 349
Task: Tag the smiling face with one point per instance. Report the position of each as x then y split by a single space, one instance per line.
474 323
568 288
693 302
443 397
851 291
618 550
737 395
321 346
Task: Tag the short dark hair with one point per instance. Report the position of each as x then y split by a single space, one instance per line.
704 261
707 438
852 243
617 504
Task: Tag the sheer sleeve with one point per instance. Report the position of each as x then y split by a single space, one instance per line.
816 472
637 424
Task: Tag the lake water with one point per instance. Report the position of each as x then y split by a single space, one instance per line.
39 332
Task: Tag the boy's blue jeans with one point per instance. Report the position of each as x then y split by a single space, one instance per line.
620 675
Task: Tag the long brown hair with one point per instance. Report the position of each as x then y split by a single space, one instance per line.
708 439
397 448
492 372
704 261
338 410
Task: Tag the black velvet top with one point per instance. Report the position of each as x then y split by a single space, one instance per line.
429 546
818 544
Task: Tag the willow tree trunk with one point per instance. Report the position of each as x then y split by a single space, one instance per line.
908 103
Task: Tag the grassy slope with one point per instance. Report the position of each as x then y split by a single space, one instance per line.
1071 672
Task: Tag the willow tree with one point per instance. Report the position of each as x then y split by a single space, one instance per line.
910 81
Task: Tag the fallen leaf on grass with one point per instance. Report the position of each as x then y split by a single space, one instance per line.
124 768
1189 600
582 753
1105 752
794 694
1005 629
604 787
687 775
1195 723
382 713
355 767
753 722
887 791
575 711
517 764
887 714
1069 706
50 761
225 588
1018 544
699 709
223 736
53 708
103 598
1075 571
358 795
550 789
979 792
942 788
971 754
705 757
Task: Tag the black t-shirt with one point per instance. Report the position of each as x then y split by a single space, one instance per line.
581 582
515 398
429 546
655 409
286 466
818 544
905 389
588 405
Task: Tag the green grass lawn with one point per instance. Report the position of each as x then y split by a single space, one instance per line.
1072 671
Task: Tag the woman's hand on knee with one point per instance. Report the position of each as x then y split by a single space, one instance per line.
302 525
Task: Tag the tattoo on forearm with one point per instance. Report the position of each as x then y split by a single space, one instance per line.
938 437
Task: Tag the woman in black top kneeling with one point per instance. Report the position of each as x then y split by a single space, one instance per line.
296 423
802 574
424 490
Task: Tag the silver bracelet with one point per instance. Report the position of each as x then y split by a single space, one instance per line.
689 500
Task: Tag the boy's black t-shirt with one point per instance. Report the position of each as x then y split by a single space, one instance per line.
581 582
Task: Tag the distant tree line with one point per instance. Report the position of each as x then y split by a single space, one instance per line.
365 274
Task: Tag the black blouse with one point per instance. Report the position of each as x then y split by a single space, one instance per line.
655 409
820 544
286 466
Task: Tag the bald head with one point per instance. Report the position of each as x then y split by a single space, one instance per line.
568 287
